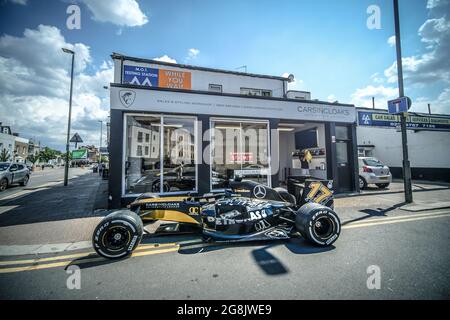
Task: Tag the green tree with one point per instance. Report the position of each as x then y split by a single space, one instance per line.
4 155
32 158
47 154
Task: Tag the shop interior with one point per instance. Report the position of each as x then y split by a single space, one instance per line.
295 139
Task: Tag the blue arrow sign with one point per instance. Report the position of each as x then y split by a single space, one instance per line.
399 105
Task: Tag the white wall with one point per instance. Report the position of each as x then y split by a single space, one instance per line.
200 80
7 142
427 149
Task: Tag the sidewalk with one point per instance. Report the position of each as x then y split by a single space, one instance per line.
54 213
428 196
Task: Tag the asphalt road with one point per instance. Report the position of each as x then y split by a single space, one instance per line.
47 212
41 178
411 252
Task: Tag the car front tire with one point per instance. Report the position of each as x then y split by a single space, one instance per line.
318 224
118 234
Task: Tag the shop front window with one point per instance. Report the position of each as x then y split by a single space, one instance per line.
239 149
179 155
159 164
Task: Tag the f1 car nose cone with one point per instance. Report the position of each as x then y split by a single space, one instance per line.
117 236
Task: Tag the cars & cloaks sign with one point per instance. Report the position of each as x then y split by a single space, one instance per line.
152 77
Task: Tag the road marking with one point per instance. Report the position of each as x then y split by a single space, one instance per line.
72 262
392 220
79 255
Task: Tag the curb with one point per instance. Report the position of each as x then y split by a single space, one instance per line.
19 250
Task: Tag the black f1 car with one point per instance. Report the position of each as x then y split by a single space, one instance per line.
246 211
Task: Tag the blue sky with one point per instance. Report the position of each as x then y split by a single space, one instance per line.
324 43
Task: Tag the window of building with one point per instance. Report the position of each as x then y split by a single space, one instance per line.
239 148
256 92
170 166
215 88
147 137
139 136
139 151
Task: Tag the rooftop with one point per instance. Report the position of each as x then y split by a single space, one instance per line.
187 66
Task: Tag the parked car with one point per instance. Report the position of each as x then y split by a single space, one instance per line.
12 173
372 171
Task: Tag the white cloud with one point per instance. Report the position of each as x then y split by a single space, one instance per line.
193 53
331 98
433 65
376 78
34 87
363 97
165 58
21 2
431 4
439 105
119 12
391 41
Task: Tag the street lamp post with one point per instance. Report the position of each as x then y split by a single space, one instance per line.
406 164
66 167
101 137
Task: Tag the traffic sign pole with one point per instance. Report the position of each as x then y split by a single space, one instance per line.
406 165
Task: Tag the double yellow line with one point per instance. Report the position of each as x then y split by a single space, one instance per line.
79 258
397 219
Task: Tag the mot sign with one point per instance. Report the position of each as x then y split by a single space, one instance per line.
399 105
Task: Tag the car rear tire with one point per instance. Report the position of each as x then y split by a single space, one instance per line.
118 234
362 183
25 180
320 225
382 185
3 184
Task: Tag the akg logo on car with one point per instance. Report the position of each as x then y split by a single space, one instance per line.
127 97
260 191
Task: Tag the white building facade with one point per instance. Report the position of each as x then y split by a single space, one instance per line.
379 135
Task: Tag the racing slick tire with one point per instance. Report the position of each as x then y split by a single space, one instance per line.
318 224
382 185
118 234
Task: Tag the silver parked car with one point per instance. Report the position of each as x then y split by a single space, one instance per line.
372 171
11 173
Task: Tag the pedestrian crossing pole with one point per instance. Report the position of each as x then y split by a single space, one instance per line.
406 164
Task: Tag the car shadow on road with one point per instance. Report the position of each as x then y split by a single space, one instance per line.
268 263
378 212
